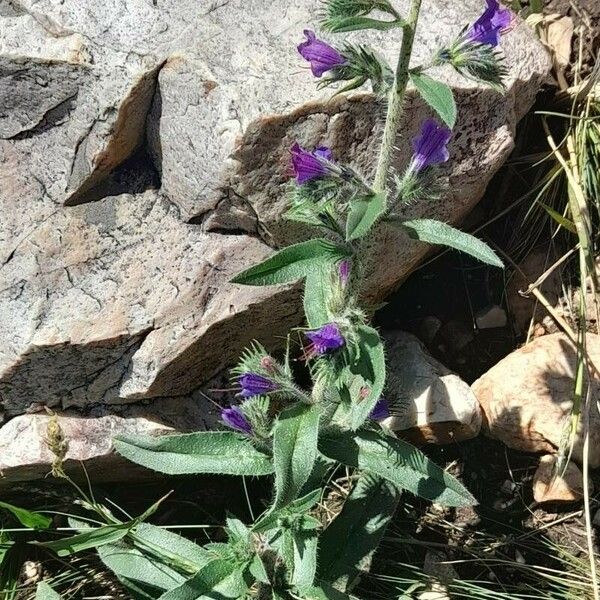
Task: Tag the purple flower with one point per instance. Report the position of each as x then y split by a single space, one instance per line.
325 339
489 26
254 384
322 56
381 410
234 417
344 271
310 165
430 147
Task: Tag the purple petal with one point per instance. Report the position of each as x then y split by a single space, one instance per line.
326 338
488 27
381 410
234 417
309 165
254 384
344 271
322 56
430 147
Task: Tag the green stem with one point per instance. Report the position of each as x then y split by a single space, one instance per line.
396 100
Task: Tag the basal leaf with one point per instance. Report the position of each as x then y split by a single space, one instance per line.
203 452
294 450
292 263
363 214
438 95
398 462
436 232
361 524
27 518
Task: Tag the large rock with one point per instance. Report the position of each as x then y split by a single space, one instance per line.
527 397
429 403
114 265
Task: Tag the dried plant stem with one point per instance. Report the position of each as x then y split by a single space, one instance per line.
396 100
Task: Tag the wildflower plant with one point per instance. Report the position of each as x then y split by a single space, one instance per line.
300 434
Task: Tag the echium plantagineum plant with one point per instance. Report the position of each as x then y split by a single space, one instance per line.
300 434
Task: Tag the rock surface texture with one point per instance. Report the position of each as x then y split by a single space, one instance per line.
428 402
550 486
526 398
144 150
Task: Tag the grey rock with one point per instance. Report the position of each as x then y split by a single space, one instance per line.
428 402
113 266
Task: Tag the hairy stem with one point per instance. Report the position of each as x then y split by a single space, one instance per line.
396 100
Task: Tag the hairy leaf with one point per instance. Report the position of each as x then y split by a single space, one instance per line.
438 95
292 263
145 563
399 462
94 538
361 524
371 368
203 452
45 592
27 518
296 508
294 450
317 290
325 591
363 214
436 232
218 580
342 25
305 544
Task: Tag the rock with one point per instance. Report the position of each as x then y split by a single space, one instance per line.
429 403
25 454
567 487
144 153
491 317
526 398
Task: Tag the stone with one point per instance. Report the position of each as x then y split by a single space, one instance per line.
144 152
527 397
565 487
491 317
429 403
25 455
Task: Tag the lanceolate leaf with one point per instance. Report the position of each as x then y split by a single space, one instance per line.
398 462
436 232
325 591
95 537
294 450
438 95
560 219
305 559
292 263
341 25
45 592
361 524
317 290
27 518
204 452
220 579
371 367
363 214
152 560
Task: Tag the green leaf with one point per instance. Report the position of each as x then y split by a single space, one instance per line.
292 263
95 537
363 214
560 219
146 562
305 543
436 232
361 524
438 95
399 462
27 518
258 571
296 508
45 592
341 25
325 591
220 579
221 452
317 291
294 450
371 368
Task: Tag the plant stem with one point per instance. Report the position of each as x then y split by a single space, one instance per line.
396 100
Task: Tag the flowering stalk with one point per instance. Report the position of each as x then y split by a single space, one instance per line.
396 100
